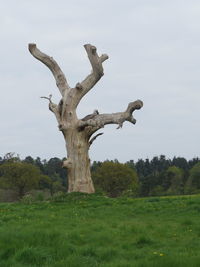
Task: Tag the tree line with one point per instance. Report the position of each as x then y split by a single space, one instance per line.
161 176
156 177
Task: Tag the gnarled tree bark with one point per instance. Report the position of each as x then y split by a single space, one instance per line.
78 133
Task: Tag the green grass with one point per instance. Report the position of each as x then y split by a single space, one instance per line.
80 230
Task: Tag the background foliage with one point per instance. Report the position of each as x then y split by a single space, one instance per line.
156 177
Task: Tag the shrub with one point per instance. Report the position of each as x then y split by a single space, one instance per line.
19 176
115 178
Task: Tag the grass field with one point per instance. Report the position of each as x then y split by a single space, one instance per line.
94 231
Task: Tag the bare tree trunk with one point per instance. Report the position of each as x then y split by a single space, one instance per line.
78 133
78 162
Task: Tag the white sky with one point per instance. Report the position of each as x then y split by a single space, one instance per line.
154 55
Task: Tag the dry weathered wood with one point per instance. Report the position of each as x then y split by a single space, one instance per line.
59 76
78 133
119 118
54 108
96 74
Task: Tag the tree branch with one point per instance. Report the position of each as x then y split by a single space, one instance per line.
98 121
96 74
54 108
93 138
59 76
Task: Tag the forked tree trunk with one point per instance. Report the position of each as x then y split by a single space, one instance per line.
79 133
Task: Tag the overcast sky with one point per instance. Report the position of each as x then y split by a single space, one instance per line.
154 55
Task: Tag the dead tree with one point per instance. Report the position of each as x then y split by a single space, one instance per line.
79 133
